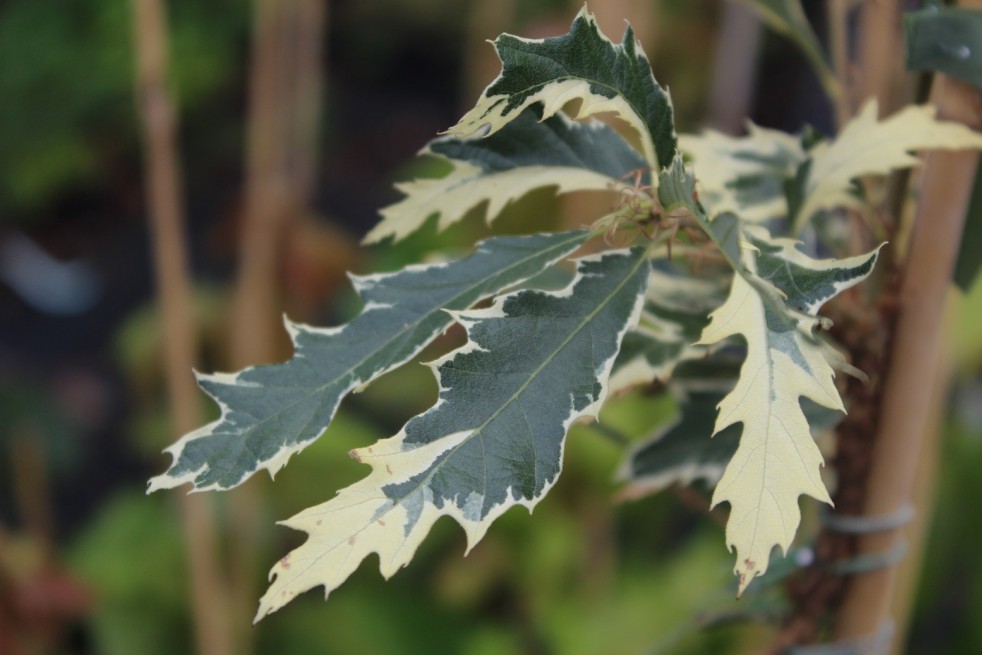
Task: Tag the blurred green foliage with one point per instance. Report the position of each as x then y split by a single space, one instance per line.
582 576
130 556
950 592
66 90
28 412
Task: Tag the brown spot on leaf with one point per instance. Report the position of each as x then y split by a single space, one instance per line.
750 564
388 469
351 541
285 562
381 522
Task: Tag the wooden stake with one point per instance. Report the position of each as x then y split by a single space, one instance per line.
916 354
286 85
209 598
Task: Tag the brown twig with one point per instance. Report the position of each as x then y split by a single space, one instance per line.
31 486
863 328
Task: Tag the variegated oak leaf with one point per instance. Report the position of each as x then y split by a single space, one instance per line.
535 362
686 450
682 451
777 460
526 154
744 175
676 309
773 304
271 412
868 146
581 65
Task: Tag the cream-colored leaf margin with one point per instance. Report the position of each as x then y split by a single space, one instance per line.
467 186
667 291
489 114
868 146
720 160
362 520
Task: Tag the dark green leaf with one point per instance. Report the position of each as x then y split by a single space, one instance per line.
677 188
948 40
582 64
526 154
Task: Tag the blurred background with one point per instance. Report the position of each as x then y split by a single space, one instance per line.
271 132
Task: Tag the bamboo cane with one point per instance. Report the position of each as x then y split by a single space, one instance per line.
916 353
209 599
286 82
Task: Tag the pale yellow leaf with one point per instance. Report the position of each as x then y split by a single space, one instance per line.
777 460
868 146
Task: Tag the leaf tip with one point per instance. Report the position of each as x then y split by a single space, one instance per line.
167 481
746 571
264 610
293 329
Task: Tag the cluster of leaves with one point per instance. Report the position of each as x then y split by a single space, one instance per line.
706 298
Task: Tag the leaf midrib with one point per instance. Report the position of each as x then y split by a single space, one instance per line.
351 369
477 432
570 75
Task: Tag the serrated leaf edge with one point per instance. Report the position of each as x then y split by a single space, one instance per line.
361 283
381 456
